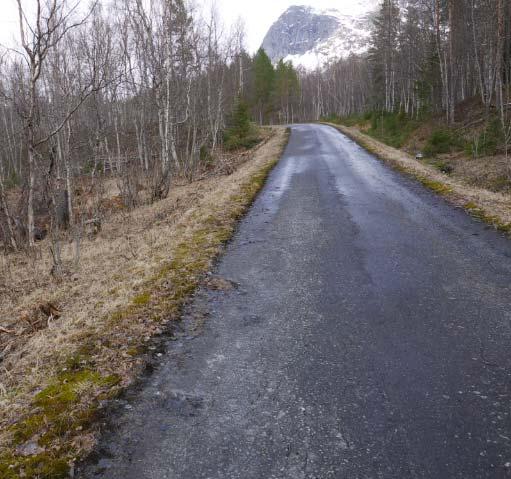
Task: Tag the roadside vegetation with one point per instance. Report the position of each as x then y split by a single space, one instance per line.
133 278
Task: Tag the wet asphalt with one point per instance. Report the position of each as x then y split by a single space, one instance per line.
368 336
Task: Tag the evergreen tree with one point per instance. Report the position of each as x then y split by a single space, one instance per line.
239 132
287 90
264 81
239 120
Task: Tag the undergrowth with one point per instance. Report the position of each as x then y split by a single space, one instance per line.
443 140
392 128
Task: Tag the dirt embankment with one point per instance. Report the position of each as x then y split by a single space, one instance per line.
491 207
92 328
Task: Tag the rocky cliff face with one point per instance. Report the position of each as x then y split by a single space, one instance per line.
298 30
312 38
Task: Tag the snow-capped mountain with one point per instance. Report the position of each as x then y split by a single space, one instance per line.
312 38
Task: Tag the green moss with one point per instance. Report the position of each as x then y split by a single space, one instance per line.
27 428
476 212
436 186
64 390
8 467
142 299
44 466
67 424
504 227
40 466
55 406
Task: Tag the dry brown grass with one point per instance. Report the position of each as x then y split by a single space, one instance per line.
492 173
132 279
489 206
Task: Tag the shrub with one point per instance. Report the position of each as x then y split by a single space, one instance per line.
237 143
393 128
442 141
489 140
240 132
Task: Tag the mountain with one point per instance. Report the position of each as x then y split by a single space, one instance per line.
312 38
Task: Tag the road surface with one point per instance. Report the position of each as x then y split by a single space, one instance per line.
369 337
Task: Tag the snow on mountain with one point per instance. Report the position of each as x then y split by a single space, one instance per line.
312 38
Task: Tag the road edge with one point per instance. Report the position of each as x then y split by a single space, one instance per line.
491 208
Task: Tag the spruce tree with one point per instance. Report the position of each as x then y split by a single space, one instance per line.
264 81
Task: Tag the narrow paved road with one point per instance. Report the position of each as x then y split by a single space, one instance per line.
369 337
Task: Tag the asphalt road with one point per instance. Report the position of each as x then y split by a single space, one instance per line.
369 337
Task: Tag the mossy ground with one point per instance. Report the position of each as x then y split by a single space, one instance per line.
63 408
67 406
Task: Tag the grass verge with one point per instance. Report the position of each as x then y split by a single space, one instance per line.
49 418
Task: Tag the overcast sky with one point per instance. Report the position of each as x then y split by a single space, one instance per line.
258 15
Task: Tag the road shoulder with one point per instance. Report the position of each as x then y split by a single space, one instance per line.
486 206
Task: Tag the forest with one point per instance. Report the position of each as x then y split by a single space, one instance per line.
134 91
